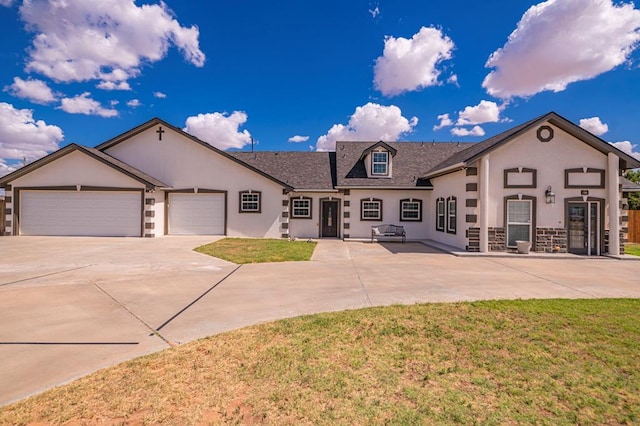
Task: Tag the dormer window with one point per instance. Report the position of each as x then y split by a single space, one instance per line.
378 160
380 163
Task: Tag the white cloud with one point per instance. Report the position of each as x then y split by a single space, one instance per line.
5 169
298 138
108 41
370 122
445 121
412 64
594 125
36 91
159 95
484 112
83 104
375 11
560 42
6 3
21 136
110 85
220 129
474 131
628 148
134 103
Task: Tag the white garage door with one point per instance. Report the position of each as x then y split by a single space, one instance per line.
81 213
196 214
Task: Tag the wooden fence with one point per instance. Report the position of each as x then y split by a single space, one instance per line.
634 226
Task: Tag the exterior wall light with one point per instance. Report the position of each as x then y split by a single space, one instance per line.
549 196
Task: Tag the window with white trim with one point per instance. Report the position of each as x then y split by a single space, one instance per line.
380 163
370 209
301 208
440 216
518 221
451 215
411 210
250 202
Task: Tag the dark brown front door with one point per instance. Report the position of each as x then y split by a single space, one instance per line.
329 218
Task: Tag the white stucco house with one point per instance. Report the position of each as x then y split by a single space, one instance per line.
546 181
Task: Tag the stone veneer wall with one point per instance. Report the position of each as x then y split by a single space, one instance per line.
497 239
284 218
606 241
473 234
7 211
547 239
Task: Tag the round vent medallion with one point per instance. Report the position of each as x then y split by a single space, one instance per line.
545 133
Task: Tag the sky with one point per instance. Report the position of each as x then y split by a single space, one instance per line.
299 75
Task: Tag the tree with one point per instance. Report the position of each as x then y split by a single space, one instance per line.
633 197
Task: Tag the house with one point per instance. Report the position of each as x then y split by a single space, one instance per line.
546 181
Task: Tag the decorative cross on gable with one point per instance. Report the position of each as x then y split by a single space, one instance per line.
160 132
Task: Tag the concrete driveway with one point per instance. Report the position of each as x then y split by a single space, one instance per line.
70 306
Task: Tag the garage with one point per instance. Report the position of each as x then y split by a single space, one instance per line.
81 213
196 213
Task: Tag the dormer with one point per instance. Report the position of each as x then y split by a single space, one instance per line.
378 160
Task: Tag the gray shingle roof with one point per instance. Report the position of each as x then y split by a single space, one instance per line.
413 160
301 170
629 186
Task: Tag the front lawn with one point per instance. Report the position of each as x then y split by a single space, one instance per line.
258 250
506 362
632 248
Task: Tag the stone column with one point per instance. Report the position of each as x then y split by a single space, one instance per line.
613 194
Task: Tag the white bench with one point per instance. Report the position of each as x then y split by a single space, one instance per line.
388 231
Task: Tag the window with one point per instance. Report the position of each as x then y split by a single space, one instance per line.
451 215
371 209
380 163
411 210
250 202
440 214
301 208
518 221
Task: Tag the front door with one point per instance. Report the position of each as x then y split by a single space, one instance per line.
329 218
583 228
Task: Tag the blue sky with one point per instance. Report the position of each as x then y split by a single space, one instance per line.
296 75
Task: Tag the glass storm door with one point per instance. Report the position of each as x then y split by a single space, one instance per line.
583 228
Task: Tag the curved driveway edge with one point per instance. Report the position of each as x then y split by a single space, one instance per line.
71 306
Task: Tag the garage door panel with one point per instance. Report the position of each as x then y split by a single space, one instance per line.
196 214
81 213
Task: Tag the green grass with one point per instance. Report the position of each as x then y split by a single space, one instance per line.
554 362
259 250
632 248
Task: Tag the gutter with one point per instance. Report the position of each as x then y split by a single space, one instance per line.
454 168
387 187
314 190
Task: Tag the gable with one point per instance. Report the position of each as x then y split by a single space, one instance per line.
552 120
176 157
547 146
83 163
76 168
181 161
